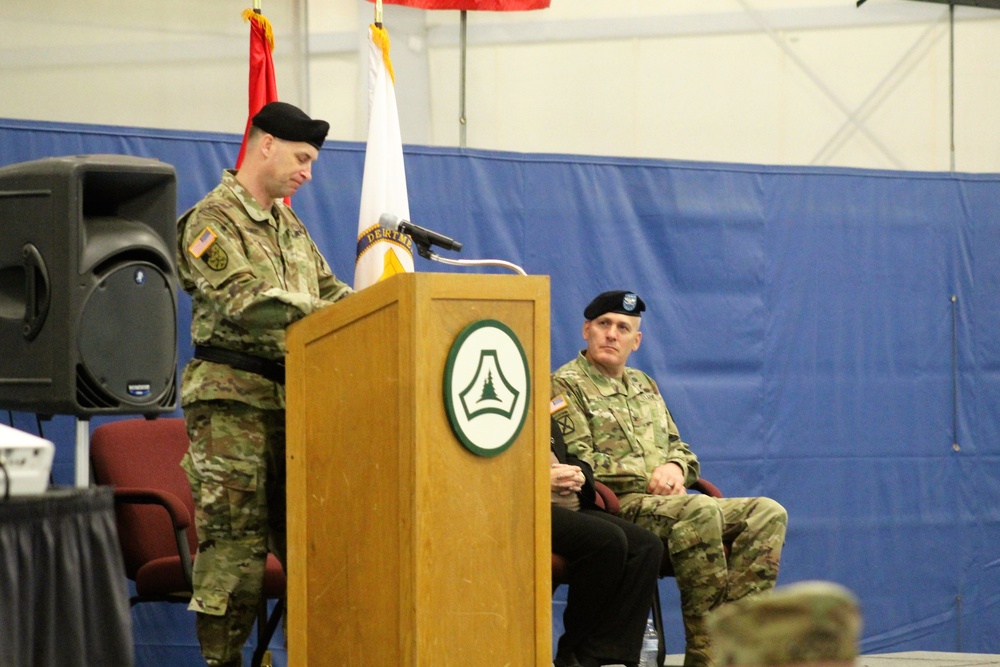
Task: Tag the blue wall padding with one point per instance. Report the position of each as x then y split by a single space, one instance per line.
827 337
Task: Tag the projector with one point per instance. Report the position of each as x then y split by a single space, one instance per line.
27 460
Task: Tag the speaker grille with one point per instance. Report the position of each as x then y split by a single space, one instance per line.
90 395
128 331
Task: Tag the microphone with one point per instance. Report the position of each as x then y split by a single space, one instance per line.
422 237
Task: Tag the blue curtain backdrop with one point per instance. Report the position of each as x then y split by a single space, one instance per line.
827 337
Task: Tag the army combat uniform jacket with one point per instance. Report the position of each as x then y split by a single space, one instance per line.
594 412
250 273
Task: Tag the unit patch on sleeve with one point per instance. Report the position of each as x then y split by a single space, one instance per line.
216 258
565 423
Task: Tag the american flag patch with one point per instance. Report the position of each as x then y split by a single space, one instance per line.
202 243
557 404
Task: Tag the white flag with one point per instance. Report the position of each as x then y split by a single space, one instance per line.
382 253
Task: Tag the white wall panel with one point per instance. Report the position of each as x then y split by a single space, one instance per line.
765 81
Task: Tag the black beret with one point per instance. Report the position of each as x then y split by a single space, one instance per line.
618 301
291 124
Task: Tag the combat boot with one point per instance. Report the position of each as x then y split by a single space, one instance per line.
697 647
694 657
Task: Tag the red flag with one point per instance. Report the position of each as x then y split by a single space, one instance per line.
263 85
474 5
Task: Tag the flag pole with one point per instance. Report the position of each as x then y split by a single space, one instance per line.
462 47
256 6
378 13
951 77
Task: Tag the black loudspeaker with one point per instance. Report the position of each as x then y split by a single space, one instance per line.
88 301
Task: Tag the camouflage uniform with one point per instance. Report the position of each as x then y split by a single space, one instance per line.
624 430
259 273
808 623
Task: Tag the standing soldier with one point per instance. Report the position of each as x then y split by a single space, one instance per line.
614 418
251 270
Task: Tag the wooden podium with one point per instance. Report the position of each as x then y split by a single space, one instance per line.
404 547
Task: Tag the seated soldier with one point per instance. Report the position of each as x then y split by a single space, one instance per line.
613 417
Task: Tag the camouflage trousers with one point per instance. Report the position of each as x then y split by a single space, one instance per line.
236 466
694 528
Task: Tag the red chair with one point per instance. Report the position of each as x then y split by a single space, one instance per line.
154 512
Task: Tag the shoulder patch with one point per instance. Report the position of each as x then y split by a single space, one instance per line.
216 258
556 404
202 243
565 424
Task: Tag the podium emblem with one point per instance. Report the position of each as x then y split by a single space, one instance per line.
487 387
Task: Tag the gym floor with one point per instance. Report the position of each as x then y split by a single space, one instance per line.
908 659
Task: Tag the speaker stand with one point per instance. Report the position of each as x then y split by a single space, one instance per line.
82 453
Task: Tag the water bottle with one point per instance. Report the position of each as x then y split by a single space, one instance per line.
650 645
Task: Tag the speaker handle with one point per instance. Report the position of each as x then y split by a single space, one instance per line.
36 288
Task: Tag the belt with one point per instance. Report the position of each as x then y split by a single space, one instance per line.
272 370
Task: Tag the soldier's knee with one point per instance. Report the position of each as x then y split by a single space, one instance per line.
771 511
700 524
702 509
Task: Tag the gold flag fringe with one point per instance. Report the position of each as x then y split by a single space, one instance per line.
381 39
251 15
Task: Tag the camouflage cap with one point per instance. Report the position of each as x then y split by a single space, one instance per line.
617 301
804 623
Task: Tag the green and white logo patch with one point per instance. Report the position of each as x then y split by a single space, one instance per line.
486 387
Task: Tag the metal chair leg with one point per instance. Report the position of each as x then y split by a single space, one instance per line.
661 649
266 627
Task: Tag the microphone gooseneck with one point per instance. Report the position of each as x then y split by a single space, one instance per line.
424 238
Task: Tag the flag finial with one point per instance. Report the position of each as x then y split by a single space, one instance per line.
380 38
255 16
